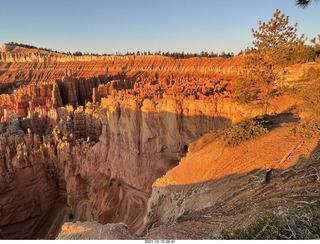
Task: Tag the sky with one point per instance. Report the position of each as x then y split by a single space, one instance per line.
105 26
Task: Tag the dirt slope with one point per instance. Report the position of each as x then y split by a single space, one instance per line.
229 187
216 160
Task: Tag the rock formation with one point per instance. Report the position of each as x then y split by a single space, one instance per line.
38 66
228 187
84 138
94 231
43 99
27 184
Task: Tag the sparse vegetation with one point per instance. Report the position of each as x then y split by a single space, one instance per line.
309 94
300 223
174 55
307 129
243 131
31 46
182 55
234 135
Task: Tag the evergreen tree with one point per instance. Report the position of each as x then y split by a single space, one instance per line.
241 52
275 43
223 55
304 3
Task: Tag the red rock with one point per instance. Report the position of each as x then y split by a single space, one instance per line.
101 158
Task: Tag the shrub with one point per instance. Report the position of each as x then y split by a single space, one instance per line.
307 129
243 131
234 135
309 94
300 223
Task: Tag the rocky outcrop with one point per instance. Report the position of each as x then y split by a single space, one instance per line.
135 148
7 47
229 187
43 99
94 231
27 184
98 161
104 158
78 91
46 99
35 66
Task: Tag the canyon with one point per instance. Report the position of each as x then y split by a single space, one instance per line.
108 138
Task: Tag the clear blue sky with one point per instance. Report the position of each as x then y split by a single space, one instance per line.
105 26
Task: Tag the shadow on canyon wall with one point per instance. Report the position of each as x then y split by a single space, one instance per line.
113 176
234 200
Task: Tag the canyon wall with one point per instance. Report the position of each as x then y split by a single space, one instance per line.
229 187
28 187
33 66
43 99
89 78
104 159
98 161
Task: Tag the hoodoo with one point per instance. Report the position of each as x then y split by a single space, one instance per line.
156 121
112 138
95 135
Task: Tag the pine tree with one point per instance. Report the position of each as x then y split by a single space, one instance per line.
275 43
304 3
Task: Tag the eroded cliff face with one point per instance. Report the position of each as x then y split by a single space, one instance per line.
89 78
35 66
44 99
228 187
28 187
104 159
98 161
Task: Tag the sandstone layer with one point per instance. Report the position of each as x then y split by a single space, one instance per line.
229 187
84 138
94 231
216 160
35 66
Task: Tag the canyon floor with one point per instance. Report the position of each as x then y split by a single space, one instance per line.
116 147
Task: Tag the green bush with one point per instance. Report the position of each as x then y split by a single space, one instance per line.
234 135
307 129
300 223
243 131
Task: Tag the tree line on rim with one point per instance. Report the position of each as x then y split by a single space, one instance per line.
175 55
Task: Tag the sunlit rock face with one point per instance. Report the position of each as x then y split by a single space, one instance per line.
84 138
94 231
